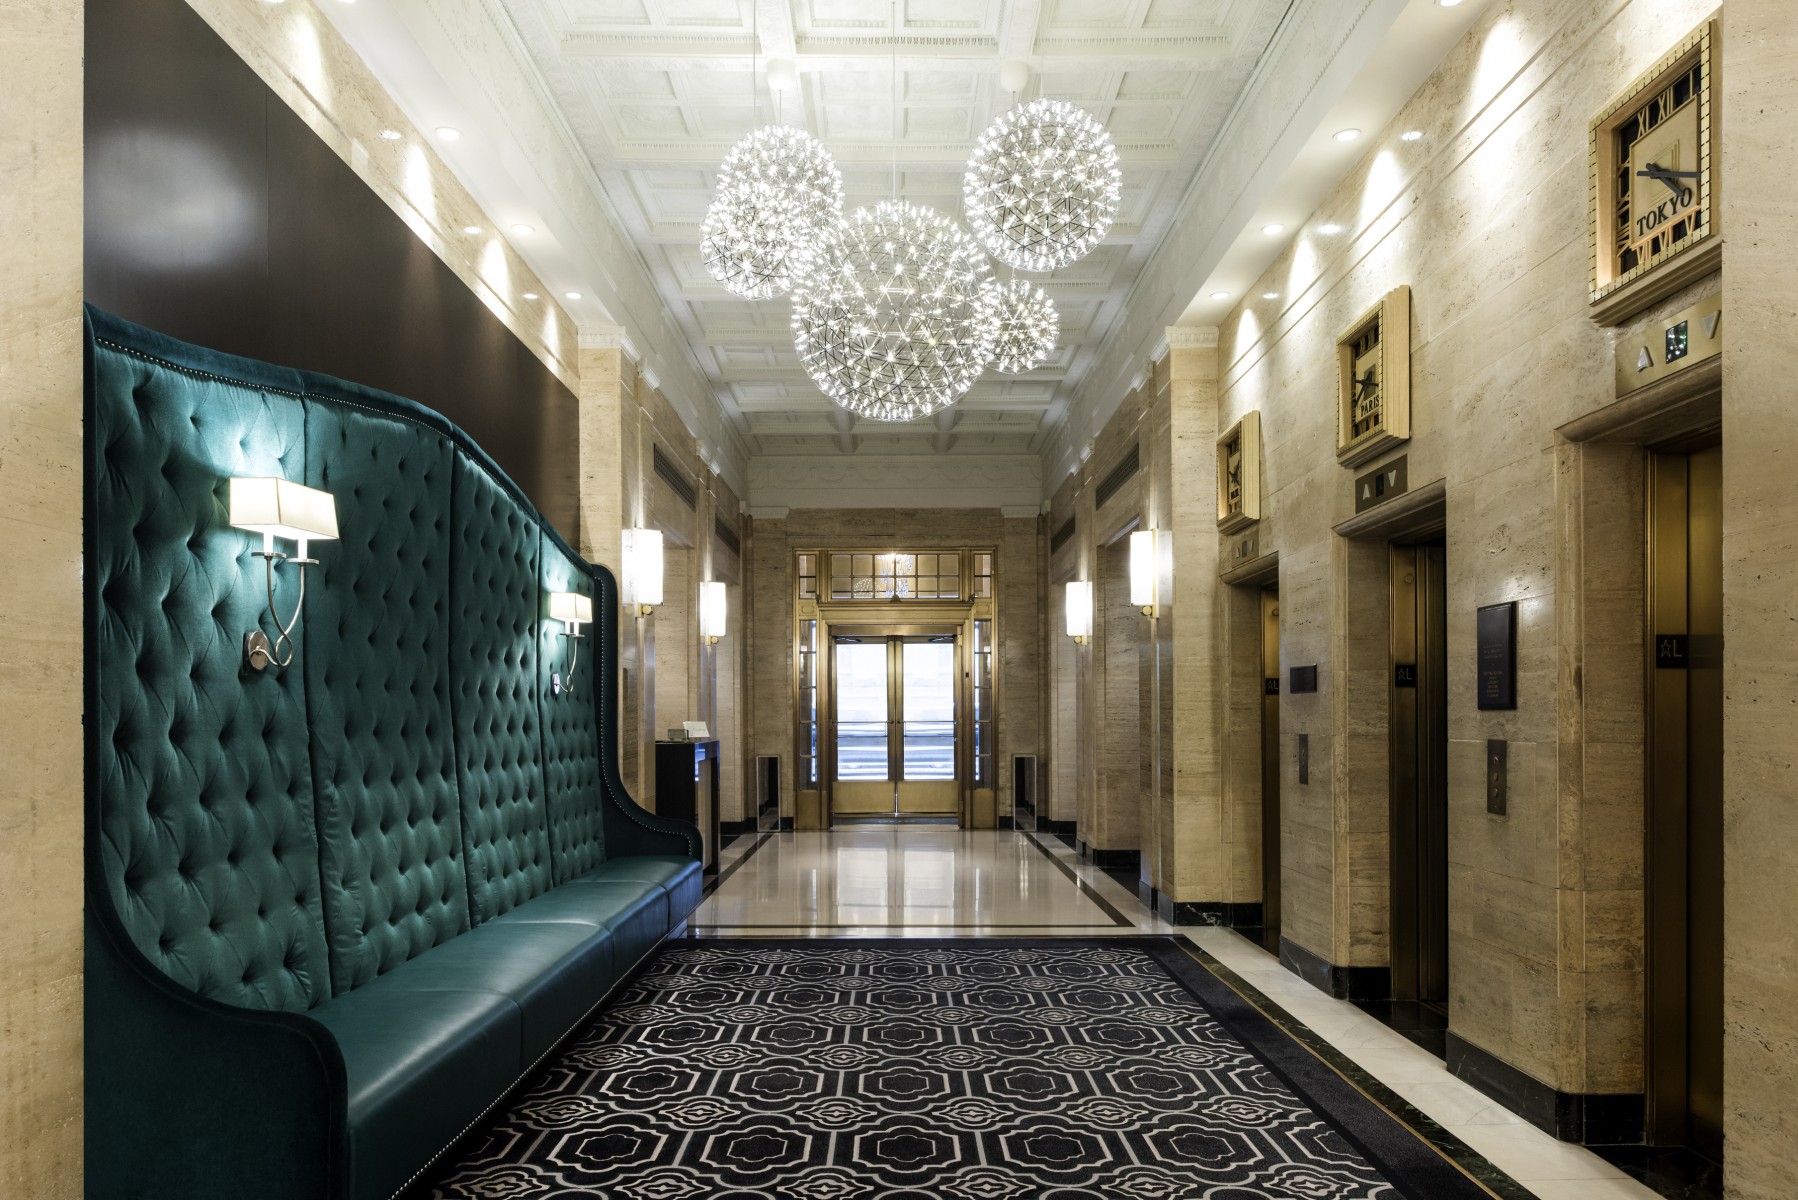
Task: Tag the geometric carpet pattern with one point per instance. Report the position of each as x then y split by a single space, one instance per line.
971 1071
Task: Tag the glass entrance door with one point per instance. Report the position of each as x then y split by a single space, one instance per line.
895 726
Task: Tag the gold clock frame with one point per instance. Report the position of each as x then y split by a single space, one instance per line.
1393 317
1618 295
1247 434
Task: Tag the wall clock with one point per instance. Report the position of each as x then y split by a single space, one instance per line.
1654 181
1239 475
1373 381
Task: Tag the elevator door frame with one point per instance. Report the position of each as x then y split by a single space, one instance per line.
861 626
1418 890
1270 768
1679 699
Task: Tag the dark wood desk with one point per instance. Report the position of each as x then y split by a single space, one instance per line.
687 787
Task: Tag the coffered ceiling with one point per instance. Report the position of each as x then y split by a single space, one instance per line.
656 91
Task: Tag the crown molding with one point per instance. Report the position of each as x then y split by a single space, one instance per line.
1012 481
1190 337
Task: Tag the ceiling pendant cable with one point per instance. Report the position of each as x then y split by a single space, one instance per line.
894 44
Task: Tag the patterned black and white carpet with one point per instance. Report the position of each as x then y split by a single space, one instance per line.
922 1071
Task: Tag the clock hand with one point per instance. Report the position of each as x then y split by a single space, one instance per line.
1667 178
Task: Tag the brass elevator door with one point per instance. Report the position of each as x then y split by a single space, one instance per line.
895 735
1270 770
1419 813
1685 802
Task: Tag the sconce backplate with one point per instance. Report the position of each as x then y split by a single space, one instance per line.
256 650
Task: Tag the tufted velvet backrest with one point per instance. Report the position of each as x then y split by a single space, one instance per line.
273 839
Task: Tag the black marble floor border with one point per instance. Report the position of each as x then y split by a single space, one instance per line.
1086 889
1261 1017
717 881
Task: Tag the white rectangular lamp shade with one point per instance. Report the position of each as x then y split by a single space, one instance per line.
280 508
643 565
570 608
714 614
1080 608
1142 568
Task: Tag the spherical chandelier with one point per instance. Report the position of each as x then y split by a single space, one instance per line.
1027 326
1042 185
778 191
890 317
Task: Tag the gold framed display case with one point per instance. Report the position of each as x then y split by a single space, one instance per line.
1239 475
1655 181
1373 381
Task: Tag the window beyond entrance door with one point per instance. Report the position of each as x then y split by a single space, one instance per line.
895 735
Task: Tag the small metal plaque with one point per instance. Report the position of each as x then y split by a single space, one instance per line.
1245 549
1497 754
1404 675
1304 758
1382 483
1271 686
1302 679
1672 651
1496 630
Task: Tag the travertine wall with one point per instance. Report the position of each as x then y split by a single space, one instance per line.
1760 544
771 586
40 599
1485 218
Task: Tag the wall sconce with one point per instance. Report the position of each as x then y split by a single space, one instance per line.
643 568
714 615
1144 570
279 508
573 610
1080 610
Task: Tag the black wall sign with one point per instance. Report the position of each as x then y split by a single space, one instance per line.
1304 758
1497 632
1497 752
1271 686
1302 679
1672 651
1404 675
1382 483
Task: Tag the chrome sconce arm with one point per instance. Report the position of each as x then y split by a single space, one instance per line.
259 652
573 610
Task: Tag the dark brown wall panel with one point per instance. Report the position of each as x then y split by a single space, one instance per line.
216 216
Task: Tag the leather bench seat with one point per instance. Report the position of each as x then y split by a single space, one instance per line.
336 911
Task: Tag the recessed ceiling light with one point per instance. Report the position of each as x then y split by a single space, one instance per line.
530 295
1220 295
1447 3
1411 135
1270 295
523 230
391 135
471 230
1329 230
450 133
572 295
1347 135
1273 228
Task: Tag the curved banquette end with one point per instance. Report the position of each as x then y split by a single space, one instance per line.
335 910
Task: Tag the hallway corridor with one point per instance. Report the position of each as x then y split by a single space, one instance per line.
923 882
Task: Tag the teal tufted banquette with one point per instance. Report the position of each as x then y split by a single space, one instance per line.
334 911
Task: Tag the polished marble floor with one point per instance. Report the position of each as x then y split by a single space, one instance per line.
877 881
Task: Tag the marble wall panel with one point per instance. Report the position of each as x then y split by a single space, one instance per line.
40 599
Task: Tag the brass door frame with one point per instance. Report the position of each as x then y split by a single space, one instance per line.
1683 1003
1418 888
1270 768
835 626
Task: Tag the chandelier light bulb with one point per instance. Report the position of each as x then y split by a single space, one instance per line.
1028 326
890 316
1042 185
778 191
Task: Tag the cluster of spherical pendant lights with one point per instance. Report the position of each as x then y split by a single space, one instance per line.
895 308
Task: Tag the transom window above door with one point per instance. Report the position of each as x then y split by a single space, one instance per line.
895 575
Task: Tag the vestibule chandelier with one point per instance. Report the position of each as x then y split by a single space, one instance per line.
1027 326
1042 185
892 319
778 189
